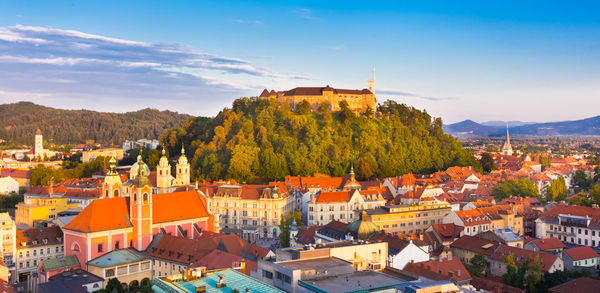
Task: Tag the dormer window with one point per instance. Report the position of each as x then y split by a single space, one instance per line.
45 241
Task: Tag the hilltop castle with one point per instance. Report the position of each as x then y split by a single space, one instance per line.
358 100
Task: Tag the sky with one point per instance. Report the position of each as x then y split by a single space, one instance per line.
480 60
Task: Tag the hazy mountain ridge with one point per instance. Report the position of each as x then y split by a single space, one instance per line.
469 128
20 121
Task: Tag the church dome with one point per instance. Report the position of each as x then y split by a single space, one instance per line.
164 161
135 168
362 228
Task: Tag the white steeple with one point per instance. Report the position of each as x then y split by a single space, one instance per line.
507 148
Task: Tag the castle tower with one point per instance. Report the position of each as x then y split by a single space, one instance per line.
141 209
163 172
371 83
183 169
38 149
507 148
112 181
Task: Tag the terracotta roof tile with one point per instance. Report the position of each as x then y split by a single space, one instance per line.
580 253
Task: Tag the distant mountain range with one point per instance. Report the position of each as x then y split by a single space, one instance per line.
469 128
19 121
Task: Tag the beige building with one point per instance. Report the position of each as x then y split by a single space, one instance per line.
404 219
358 100
127 265
90 155
341 205
248 210
8 232
34 245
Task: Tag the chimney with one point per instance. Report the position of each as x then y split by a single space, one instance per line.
221 284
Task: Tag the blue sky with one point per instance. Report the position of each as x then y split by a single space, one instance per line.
480 60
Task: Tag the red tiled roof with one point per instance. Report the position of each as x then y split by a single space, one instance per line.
449 268
548 243
579 285
475 244
53 235
336 196
580 253
15 173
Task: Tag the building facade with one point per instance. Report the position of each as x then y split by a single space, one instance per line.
341 205
405 219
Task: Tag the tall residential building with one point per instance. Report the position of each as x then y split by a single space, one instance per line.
358 100
8 242
406 219
507 148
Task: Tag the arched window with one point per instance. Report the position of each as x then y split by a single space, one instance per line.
106 193
135 197
116 193
160 172
75 247
145 198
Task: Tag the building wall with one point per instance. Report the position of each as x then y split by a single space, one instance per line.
8 241
568 234
363 254
8 185
409 254
411 219
28 258
161 267
322 213
238 213
126 273
87 156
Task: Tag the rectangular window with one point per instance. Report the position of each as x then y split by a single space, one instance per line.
268 275
100 247
116 245
109 273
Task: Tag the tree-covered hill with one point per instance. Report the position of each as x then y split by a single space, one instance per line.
262 139
19 121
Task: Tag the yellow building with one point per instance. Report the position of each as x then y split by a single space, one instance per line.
40 209
87 156
358 100
405 219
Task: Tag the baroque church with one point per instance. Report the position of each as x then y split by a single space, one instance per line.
131 212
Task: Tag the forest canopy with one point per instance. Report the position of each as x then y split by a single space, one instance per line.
259 140
20 121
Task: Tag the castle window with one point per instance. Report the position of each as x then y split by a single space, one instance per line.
135 197
107 193
145 197
116 193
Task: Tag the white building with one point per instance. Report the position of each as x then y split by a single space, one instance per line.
8 185
341 205
398 259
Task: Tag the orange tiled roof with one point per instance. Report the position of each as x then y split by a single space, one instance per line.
337 196
101 215
168 207
582 252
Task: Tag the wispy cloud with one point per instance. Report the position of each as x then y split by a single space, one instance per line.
252 22
98 69
393 92
307 14
339 47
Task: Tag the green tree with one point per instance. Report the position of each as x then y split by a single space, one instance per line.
284 231
487 163
595 194
479 265
557 190
114 286
522 187
297 215
582 181
42 175
303 108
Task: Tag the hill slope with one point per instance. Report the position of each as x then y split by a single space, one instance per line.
261 139
20 121
588 126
